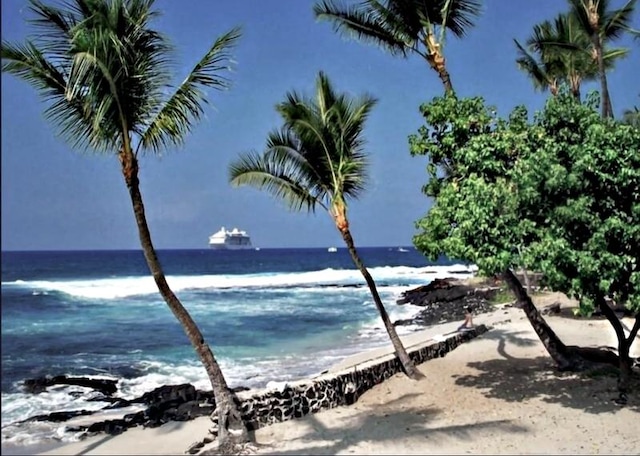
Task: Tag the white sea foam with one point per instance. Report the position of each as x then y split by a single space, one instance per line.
116 288
282 292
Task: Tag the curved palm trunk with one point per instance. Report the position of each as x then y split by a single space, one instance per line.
555 347
607 109
231 427
407 364
624 343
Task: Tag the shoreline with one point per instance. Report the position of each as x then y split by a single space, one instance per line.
414 341
510 333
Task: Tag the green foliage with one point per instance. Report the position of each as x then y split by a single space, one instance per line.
317 157
105 74
400 26
559 194
562 54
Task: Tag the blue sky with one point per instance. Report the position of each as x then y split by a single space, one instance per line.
54 198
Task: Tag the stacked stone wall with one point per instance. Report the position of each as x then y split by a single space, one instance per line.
341 388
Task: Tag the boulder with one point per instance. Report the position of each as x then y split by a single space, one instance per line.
446 300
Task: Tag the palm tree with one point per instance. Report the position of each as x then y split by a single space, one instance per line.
603 24
316 160
405 26
105 76
563 55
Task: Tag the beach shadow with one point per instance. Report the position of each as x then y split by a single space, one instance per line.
517 379
504 337
92 446
380 424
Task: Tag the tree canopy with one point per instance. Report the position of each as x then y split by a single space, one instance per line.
559 194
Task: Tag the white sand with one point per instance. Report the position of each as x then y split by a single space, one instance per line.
497 394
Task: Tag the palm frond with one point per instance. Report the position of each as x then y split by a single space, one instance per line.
458 16
615 23
317 157
70 115
528 63
55 27
272 176
176 118
368 21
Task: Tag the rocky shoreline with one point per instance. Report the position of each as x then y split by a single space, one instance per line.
446 300
442 300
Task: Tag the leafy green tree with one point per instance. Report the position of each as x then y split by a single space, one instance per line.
405 27
560 195
104 74
316 159
560 52
603 24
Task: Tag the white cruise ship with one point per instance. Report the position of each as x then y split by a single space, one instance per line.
230 240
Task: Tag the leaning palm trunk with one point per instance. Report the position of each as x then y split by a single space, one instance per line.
231 427
607 109
570 357
407 364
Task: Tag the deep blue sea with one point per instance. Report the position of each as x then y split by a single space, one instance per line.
268 315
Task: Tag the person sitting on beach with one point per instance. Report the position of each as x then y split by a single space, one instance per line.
468 320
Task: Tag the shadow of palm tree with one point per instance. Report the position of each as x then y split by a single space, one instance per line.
504 337
411 423
515 379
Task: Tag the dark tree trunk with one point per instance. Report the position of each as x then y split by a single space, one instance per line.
527 282
607 109
555 347
407 364
624 344
444 76
231 427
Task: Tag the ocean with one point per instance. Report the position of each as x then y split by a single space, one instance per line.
268 315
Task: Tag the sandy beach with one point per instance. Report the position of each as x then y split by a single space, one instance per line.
497 394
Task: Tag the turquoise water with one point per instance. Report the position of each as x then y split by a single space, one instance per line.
272 314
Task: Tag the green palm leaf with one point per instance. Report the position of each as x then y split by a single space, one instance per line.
365 22
317 157
175 119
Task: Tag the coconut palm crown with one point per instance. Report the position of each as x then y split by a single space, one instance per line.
403 27
560 52
317 159
106 78
603 24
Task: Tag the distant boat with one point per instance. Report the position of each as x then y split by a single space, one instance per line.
230 240
400 249
332 249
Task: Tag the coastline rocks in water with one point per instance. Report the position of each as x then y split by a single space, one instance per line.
446 300
40 384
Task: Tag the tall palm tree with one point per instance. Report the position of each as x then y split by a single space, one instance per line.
405 26
316 160
105 76
603 24
563 55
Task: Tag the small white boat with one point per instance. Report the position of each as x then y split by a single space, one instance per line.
400 249
332 249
